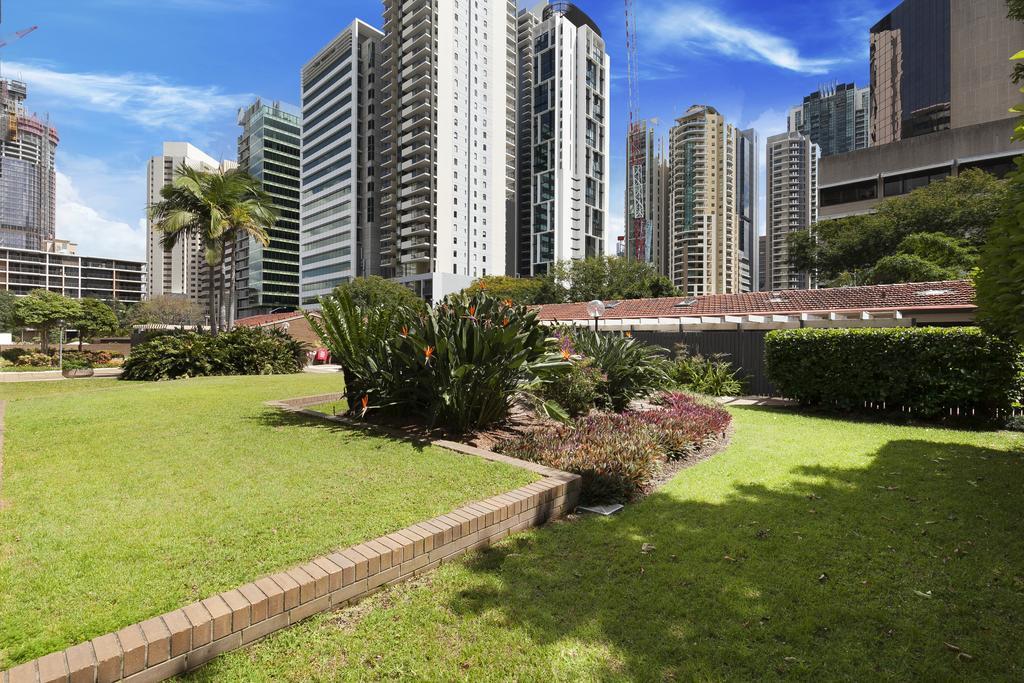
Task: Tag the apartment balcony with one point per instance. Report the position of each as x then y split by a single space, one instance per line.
408 124
410 164
414 203
421 146
416 56
421 106
416 174
421 134
416 67
417 257
422 37
418 82
419 18
414 190
410 228
414 244
413 96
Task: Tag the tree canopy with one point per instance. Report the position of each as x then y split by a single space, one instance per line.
43 311
167 309
374 291
947 219
7 301
94 318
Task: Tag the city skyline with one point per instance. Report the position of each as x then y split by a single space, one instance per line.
114 112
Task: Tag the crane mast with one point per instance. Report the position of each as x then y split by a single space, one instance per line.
637 221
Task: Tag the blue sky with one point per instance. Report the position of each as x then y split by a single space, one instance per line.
118 77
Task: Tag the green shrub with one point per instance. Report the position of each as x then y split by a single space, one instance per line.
631 368
13 355
928 370
575 390
458 365
38 360
242 351
75 361
4 363
617 456
708 375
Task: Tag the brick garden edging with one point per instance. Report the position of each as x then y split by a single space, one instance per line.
182 640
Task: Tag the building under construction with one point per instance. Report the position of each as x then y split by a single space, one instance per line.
28 194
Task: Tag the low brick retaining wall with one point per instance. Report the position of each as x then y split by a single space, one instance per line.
173 643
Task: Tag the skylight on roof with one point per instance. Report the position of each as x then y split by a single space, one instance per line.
934 292
685 302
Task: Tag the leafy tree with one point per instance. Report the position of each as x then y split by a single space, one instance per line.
95 317
845 250
372 291
520 290
907 268
44 311
608 277
7 301
217 208
942 250
1000 280
166 309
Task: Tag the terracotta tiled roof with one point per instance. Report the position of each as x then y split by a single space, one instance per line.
949 295
269 319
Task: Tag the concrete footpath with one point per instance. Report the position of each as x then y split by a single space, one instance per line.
53 375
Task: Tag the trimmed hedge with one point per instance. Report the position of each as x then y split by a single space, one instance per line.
929 370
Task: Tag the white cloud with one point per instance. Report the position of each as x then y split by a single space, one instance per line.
95 234
700 29
770 122
144 99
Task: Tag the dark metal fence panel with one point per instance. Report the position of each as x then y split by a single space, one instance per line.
743 348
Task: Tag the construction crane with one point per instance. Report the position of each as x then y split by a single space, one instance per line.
17 35
637 153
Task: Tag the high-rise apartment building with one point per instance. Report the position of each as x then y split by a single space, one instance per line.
791 205
267 277
341 132
447 141
28 195
182 269
837 118
940 103
563 151
655 175
714 191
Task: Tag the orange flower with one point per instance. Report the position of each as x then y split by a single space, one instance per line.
365 401
566 355
628 333
428 352
472 311
481 285
508 302
504 322
405 330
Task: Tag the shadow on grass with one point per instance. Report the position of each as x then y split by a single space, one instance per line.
889 570
278 418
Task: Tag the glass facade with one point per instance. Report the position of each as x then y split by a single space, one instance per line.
836 118
268 149
910 71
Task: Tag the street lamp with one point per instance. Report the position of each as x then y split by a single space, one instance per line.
595 309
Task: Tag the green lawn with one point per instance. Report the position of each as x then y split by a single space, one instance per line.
812 549
126 500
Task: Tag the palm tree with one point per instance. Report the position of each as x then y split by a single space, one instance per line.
215 207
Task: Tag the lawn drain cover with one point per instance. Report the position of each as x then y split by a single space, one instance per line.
600 509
